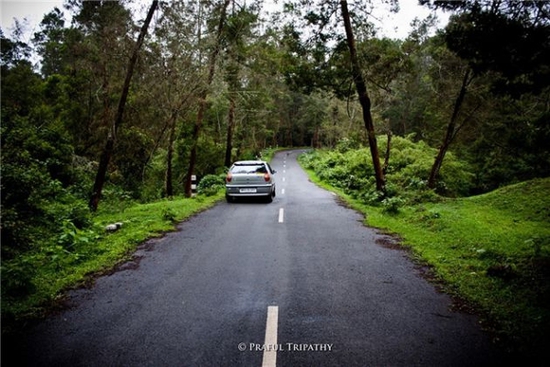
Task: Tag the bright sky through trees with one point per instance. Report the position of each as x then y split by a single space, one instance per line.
391 25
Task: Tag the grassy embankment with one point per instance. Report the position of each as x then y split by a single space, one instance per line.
492 251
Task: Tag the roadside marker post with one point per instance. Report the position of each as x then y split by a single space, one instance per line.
193 185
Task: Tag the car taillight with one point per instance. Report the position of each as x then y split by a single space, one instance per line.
266 177
229 177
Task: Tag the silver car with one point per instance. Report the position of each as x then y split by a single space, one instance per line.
250 178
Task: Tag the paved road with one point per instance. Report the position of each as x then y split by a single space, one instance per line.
298 282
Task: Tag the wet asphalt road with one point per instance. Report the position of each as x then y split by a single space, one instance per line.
200 296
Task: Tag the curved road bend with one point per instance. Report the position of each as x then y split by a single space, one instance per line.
298 282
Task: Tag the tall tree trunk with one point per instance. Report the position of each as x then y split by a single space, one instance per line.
230 128
451 131
111 138
169 188
388 152
202 100
234 85
364 99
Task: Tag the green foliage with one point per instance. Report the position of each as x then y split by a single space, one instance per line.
409 166
521 153
211 184
344 145
169 215
37 178
132 152
73 237
153 186
392 205
211 157
17 278
44 215
510 40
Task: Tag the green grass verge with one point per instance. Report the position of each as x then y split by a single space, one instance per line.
492 251
56 268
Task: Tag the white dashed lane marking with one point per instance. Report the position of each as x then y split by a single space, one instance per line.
270 354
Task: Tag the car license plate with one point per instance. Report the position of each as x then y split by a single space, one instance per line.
247 191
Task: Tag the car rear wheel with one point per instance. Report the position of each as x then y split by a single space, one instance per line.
272 196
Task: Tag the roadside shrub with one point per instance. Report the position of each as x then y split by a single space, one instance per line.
370 196
392 205
67 208
72 237
409 166
309 159
115 199
346 144
169 215
17 278
210 185
457 177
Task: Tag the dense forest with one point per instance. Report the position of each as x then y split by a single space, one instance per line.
132 98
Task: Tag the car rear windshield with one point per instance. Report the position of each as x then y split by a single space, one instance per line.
249 168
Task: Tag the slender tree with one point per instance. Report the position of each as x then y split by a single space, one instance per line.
232 78
238 31
111 137
452 129
202 98
230 128
364 99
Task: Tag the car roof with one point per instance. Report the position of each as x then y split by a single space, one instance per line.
249 163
